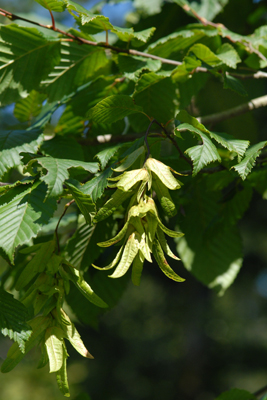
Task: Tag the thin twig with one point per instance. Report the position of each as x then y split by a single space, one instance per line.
60 218
53 20
234 112
175 144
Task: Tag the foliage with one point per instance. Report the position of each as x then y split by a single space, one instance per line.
124 192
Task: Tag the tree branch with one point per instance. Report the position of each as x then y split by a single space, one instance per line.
132 52
234 112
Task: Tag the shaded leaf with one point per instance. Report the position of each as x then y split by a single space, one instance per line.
113 108
12 143
230 82
105 155
28 108
236 394
14 355
13 319
83 201
24 211
96 186
57 172
246 165
27 57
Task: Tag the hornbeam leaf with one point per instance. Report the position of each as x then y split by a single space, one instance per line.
53 5
162 262
54 347
14 355
28 108
229 142
75 339
228 55
27 57
12 143
205 54
168 231
129 253
77 65
83 201
230 82
201 155
13 317
105 155
246 165
163 173
175 42
37 264
57 172
62 378
113 108
96 186
136 38
24 215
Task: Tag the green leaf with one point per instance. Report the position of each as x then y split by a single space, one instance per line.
53 5
62 147
78 64
246 165
13 142
132 66
37 264
24 211
113 108
206 55
163 264
54 347
80 245
164 197
13 317
62 378
175 42
136 38
96 186
57 172
229 142
27 57
129 253
201 155
155 93
83 201
236 394
28 108
14 355
230 82
105 155
181 73
207 233
228 55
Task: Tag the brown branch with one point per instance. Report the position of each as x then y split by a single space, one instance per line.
53 20
234 112
132 52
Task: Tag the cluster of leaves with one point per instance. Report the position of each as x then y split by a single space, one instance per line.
107 90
